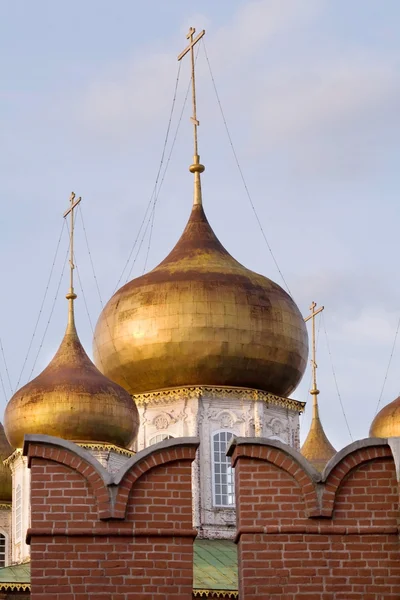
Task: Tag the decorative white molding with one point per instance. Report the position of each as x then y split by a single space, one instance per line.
201 412
171 394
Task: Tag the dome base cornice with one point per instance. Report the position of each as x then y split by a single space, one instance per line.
105 448
216 392
13 457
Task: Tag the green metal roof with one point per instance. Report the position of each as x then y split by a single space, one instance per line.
215 565
15 578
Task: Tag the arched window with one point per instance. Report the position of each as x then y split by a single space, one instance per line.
18 513
160 437
223 479
2 550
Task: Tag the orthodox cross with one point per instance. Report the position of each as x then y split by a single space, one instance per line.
189 48
314 313
73 204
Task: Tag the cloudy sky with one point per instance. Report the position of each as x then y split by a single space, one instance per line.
310 90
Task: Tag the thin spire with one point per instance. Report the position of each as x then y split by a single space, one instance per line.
71 296
317 448
196 168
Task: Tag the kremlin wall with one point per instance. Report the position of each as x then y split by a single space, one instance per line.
300 534
171 467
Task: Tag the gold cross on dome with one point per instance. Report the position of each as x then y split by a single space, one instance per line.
70 211
312 316
189 48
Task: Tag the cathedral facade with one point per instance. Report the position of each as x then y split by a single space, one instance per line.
171 466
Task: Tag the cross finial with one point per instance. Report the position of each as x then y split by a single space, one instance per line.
196 167
71 294
314 312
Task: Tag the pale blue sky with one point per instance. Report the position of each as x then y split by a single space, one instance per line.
311 91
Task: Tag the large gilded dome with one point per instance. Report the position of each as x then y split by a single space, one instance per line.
71 399
201 318
387 422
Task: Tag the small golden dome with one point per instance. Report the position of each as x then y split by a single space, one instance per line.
5 473
317 449
387 422
71 399
201 318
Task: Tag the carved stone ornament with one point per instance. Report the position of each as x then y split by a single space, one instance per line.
226 420
277 427
161 421
224 393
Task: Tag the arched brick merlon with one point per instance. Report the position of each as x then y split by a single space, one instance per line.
319 490
82 542
111 490
284 457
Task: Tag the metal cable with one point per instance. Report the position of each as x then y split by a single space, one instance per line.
176 133
80 280
150 238
3 387
334 377
83 294
41 307
5 366
140 246
241 173
150 219
157 177
90 256
51 315
89 317
388 367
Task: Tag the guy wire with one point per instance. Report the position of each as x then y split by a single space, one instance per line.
156 193
3 387
241 172
51 314
5 365
153 212
335 378
90 257
41 307
157 177
86 304
388 367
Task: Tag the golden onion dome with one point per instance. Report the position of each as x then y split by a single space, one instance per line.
317 449
387 422
201 318
71 399
5 473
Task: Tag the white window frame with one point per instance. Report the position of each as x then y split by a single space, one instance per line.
213 483
5 536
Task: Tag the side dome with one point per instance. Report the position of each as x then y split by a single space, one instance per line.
201 318
317 449
71 399
5 473
387 422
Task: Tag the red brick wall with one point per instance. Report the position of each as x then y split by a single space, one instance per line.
94 536
303 536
